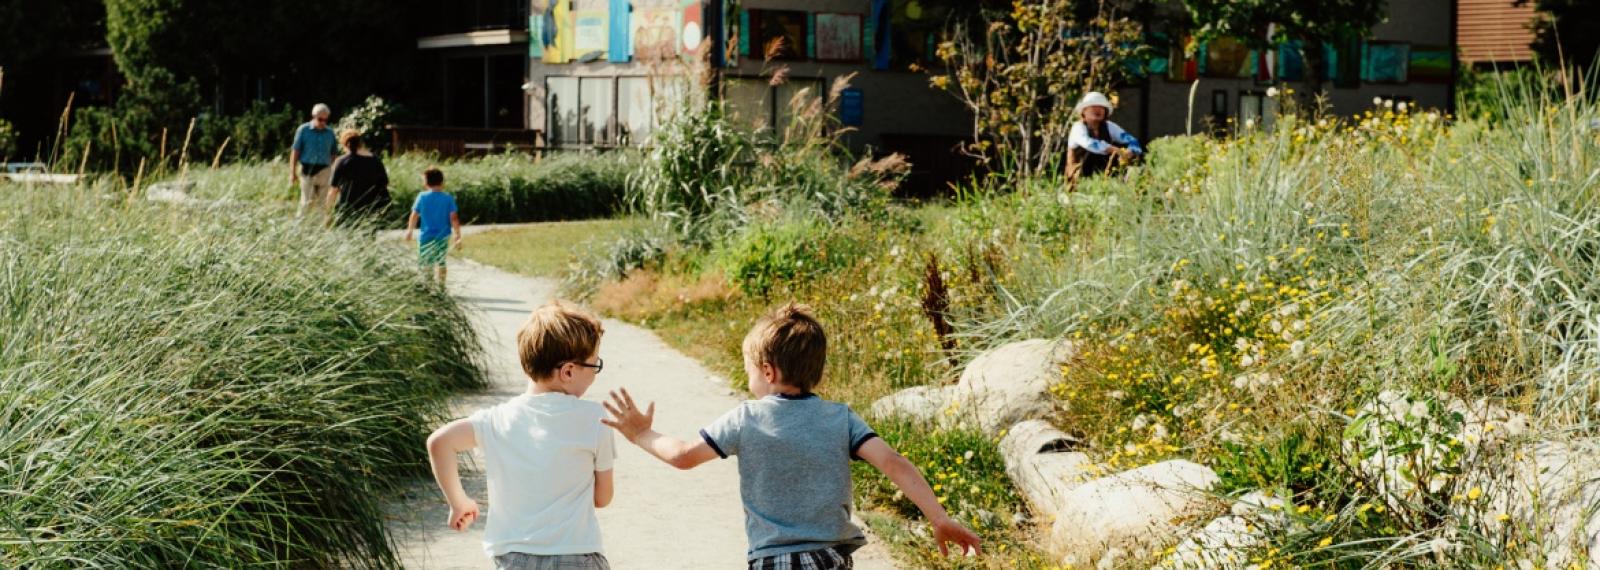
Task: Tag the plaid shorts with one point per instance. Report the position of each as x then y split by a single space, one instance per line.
824 559
524 561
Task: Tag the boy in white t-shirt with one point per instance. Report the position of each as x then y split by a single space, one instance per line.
547 455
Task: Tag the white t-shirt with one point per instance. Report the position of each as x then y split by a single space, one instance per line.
541 453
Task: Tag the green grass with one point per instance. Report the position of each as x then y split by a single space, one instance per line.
543 249
222 387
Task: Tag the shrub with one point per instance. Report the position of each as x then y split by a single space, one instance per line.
260 132
784 254
372 118
8 141
514 188
212 387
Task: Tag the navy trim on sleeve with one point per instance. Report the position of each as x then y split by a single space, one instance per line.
713 444
854 447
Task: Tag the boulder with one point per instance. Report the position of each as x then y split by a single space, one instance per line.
1130 514
1553 489
1226 542
921 402
999 388
1044 464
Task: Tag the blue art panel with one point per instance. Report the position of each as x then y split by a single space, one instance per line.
621 32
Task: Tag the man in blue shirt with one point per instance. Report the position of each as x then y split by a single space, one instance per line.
310 159
436 211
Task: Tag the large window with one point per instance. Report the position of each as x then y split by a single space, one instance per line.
605 111
755 105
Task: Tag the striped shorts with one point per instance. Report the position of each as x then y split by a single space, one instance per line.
824 559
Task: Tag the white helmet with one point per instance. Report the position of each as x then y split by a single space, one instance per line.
1093 99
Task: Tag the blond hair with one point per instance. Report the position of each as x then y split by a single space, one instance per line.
556 334
790 339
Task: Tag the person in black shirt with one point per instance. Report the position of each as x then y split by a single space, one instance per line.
360 187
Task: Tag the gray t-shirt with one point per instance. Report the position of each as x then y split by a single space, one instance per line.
794 471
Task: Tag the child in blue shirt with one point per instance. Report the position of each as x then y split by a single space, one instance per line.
436 210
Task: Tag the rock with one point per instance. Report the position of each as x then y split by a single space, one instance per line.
921 402
172 191
1044 464
1485 430
1012 383
1553 491
1133 513
1226 542
998 388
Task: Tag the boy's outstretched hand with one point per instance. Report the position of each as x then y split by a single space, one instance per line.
626 417
947 530
462 515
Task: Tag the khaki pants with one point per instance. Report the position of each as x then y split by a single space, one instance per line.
314 191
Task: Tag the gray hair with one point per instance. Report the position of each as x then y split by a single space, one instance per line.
319 109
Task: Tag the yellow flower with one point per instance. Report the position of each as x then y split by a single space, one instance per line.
1475 493
1327 540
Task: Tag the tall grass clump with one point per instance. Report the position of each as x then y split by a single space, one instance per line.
501 188
209 387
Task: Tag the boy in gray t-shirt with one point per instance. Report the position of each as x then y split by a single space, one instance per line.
795 450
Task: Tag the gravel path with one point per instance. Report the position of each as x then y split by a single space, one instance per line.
662 518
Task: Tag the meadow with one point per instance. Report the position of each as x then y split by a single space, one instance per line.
1240 301
209 386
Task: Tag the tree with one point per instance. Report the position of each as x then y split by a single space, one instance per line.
1021 73
1263 24
1566 33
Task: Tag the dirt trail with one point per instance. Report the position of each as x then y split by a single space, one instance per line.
662 518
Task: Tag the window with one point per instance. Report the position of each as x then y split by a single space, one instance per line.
635 109
597 111
758 107
561 110
603 111
1256 108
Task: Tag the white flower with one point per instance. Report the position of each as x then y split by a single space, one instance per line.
1419 410
1277 327
1401 106
1159 432
1140 422
1272 91
1116 395
1298 325
1297 348
1244 306
1288 309
1246 360
967 455
1249 123
1377 101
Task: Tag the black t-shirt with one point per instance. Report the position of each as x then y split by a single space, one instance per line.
363 183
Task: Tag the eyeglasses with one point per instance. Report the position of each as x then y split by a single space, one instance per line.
599 364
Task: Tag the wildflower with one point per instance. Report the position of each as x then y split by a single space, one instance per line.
1475 493
1325 542
1377 101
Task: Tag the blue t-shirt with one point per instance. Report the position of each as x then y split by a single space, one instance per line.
434 208
794 471
315 145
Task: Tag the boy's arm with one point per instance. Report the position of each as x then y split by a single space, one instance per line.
411 224
443 445
604 488
633 424
455 228
910 481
